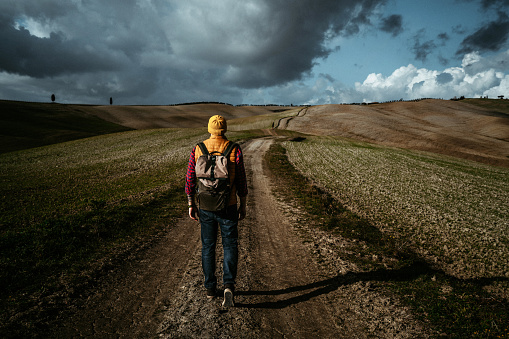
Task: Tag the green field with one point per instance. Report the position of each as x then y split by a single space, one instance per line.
64 207
385 249
25 125
452 210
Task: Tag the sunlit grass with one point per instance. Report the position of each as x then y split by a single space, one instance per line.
448 306
260 121
453 210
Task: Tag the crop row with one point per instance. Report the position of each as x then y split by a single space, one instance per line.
451 210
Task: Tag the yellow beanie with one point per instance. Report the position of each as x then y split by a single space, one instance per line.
217 125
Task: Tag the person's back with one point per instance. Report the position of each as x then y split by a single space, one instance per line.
226 219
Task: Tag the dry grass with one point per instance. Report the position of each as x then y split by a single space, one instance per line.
453 128
183 116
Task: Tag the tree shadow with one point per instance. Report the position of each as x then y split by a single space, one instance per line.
316 289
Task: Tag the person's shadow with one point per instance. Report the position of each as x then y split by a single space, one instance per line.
407 273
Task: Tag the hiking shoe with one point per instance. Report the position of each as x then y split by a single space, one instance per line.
228 298
211 293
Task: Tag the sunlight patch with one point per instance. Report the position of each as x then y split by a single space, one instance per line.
35 28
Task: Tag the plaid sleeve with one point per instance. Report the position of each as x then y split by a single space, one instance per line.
240 174
191 175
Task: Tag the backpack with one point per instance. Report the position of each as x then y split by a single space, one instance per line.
213 178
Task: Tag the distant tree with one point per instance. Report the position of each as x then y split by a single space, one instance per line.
501 97
53 97
111 101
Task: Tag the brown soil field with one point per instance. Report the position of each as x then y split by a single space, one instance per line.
459 129
456 128
180 116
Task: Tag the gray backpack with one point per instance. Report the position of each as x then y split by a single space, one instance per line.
213 178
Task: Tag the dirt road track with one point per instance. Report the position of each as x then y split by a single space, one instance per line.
281 290
128 303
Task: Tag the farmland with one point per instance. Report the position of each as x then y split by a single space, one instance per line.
454 211
66 205
81 203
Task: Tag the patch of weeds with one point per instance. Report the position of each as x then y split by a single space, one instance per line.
456 308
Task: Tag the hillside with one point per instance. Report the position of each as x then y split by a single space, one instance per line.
473 129
180 116
25 125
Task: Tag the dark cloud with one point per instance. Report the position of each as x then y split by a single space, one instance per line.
443 37
496 4
422 49
492 37
363 10
299 36
175 50
487 5
392 24
26 54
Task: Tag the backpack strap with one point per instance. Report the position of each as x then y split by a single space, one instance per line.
203 148
229 148
226 152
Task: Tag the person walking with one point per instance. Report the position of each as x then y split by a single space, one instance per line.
226 218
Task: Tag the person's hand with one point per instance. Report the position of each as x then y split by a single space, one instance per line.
242 212
193 213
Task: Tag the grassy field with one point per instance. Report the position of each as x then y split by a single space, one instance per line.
451 210
453 307
67 205
496 106
25 125
67 208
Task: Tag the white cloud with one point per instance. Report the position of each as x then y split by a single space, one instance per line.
406 82
477 76
470 59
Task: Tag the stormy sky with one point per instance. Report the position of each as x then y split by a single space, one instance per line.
253 51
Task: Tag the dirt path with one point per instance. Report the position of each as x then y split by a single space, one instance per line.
281 290
129 302
284 122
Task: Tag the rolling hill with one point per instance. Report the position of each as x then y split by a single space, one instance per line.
25 125
474 129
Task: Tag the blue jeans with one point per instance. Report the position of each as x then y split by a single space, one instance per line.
227 221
